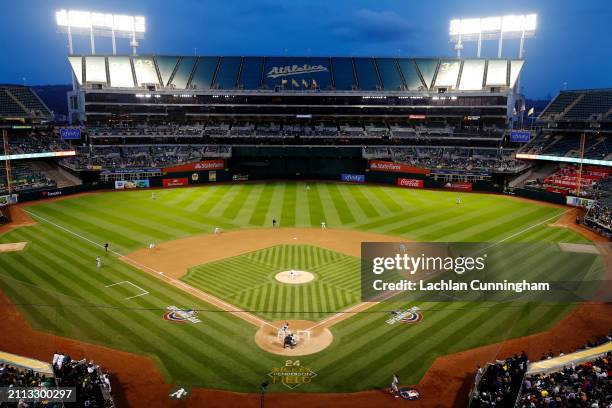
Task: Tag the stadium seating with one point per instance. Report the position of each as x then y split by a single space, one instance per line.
513 382
449 157
36 141
129 156
579 105
24 178
22 102
583 385
565 180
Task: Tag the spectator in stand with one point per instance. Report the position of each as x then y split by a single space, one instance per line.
585 385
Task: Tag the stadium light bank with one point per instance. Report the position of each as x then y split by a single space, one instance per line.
492 28
95 24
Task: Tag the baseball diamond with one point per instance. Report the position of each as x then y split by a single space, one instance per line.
220 352
200 215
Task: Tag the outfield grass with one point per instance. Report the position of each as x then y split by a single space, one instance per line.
55 284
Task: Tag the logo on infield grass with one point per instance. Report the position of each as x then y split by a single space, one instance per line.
407 316
176 315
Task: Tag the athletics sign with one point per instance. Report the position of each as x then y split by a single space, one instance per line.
276 72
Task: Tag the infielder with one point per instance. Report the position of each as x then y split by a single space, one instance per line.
323 225
394 386
99 263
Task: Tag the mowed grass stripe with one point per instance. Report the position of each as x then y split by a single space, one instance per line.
358 197
236 203
315 207
260 211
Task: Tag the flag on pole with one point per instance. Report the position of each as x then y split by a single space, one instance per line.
514 111
314 83
522 107
530 112
284 82
294 83
304 83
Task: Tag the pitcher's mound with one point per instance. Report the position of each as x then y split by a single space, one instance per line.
294 277
313 341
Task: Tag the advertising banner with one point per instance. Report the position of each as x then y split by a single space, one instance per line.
8 199
459 186
203 165
579 202
392 167
520 136
445 172
409 183
175 182
353 178
70 133
129 184
132 170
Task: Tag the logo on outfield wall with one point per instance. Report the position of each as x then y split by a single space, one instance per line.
176 315
292 375
407 316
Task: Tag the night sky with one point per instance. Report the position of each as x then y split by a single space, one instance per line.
572 48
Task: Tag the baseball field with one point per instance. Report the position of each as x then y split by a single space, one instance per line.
226 281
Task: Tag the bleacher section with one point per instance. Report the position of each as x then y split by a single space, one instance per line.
36 141
22 102
579 105
464 158
565 180
24 178
128 156
596 146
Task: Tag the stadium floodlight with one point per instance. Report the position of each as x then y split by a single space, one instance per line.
492 28
102 25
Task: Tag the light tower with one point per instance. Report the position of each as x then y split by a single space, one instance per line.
74 22
492 28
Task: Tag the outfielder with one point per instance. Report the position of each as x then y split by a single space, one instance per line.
99 263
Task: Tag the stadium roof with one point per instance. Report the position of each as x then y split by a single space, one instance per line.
295 73
580 105
21 102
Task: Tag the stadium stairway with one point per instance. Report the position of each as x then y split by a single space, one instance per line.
62 177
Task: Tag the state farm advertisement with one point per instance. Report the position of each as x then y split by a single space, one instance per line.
459 186
175 182
409 183
203 165
393 167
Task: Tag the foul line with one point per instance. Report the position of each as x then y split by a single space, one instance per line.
523 231
244 315
144 292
